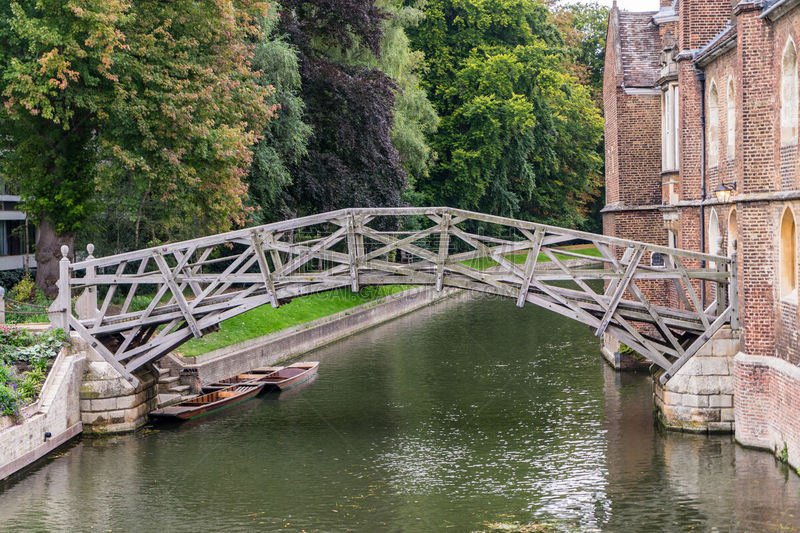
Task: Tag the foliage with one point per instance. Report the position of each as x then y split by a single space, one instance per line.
584 26
20 345
414 115
284 140
351 160
21 348
519 134
57 65
24 290
148 106
9 278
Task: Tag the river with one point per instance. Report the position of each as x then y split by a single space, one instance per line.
462 417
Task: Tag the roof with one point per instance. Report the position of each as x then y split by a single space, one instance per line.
640 47
721 43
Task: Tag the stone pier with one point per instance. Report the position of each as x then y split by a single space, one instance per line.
699 398
109 403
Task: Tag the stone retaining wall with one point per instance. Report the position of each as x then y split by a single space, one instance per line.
57 412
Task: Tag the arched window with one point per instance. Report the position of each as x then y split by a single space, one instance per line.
714 236
788 256
729 96
789 95
713 126
733 233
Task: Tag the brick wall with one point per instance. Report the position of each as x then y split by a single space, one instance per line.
612 81
639 131
701 20
766 404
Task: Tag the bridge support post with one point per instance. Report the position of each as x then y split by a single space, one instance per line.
699 397
59 310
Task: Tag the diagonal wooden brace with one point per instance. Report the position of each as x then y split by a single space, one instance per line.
258 247
169 278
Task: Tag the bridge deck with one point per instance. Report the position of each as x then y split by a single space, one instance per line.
649 297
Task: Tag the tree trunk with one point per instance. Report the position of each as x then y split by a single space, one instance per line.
48 254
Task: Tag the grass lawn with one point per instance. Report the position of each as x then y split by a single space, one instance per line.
483 263
263 320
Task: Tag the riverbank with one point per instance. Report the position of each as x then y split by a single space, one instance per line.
265 320
288 343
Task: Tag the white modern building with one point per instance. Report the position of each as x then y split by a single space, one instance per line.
17 235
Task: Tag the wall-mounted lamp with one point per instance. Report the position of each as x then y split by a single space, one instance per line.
724 191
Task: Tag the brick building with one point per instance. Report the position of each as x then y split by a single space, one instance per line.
701 105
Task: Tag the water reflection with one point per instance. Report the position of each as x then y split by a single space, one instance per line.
452 418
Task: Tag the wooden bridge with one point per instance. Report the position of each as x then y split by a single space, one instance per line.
649 297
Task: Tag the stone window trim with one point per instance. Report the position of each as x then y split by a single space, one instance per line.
789 94
714 237
730 98
733 232
787 266
670 127
713 125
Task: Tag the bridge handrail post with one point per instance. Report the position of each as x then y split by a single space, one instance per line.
733 291
86 306
721 289
59 310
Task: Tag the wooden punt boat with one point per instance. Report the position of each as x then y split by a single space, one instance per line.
207 403
290 376
256 375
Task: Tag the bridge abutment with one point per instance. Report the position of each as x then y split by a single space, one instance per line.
699 397
109 403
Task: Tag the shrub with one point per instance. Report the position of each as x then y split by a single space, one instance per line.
9 401
24 290
9 278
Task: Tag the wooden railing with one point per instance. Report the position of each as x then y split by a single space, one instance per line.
135 307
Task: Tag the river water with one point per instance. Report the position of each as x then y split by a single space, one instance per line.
460 417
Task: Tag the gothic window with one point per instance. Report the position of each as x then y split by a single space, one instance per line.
669 128
788 256
729 96
733 233
713 126
714 237
789 95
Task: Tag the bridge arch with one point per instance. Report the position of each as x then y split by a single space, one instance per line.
192 286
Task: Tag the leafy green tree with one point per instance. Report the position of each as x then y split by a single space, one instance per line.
584 26
152 99
284 140
519 133
57 65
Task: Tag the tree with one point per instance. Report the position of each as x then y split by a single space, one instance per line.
151 98
284 141
414 116
351 160
519 133
584 26
58 76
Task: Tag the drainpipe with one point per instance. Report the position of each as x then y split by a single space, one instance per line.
701 77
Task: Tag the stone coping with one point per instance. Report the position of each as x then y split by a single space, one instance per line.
775 363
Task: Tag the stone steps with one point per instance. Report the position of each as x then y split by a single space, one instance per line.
170 390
